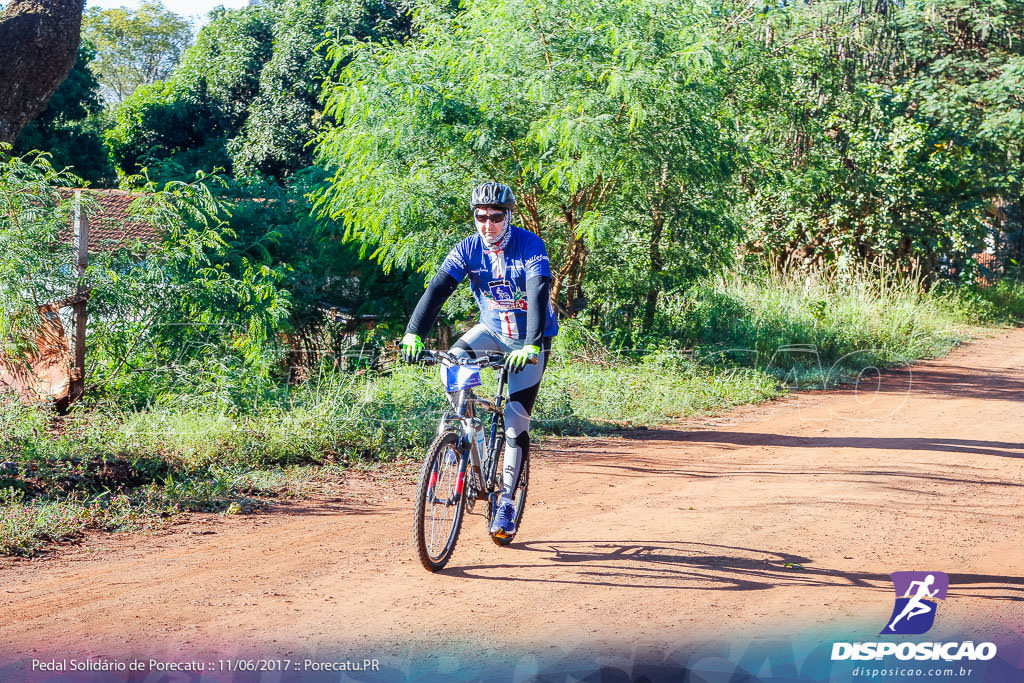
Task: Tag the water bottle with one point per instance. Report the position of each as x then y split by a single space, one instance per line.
478 438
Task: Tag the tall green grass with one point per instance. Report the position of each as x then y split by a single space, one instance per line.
853 318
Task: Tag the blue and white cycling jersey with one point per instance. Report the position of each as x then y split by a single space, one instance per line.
499 279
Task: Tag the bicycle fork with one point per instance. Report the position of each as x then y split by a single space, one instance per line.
470 436
473 434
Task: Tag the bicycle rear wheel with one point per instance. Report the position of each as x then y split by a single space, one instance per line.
440 501
520 499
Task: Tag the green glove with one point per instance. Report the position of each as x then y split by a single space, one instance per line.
517 360
412 347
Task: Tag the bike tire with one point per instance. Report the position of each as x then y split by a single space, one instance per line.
436 536
521 486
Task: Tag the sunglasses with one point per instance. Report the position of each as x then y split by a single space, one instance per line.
498 217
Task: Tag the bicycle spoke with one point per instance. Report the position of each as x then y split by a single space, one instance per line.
440 502
442 510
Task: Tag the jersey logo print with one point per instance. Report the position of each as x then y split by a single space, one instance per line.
503 295
539 258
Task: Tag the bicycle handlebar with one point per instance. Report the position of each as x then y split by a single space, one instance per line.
492 360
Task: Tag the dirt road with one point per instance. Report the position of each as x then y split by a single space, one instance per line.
645 540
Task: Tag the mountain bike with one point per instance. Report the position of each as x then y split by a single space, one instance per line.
461 466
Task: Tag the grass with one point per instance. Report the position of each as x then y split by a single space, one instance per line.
725 341
26 527
1005 299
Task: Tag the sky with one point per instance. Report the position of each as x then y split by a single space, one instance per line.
192 9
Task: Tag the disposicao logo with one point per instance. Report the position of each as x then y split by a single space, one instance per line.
917 594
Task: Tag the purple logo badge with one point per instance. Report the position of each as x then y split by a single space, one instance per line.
917 596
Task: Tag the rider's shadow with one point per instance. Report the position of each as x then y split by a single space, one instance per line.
698 566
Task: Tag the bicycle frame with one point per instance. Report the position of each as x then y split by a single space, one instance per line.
462 419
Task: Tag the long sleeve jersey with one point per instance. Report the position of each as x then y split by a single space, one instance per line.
511 287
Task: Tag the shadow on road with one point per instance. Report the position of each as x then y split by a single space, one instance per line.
321 508
700 566
1003 449
954 381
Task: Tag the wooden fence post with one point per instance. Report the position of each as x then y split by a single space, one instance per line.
81 260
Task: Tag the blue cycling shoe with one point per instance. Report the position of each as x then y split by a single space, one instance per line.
504 524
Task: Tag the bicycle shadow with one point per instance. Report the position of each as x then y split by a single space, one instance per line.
661 565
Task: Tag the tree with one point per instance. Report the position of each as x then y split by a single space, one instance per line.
605 119
186 121
135 47
245 96
968 73
189 306
323 276
282 120
878 130
69 129
40 41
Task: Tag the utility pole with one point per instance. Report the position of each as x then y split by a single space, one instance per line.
81 298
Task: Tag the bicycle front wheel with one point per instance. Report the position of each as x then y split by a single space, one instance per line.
440 501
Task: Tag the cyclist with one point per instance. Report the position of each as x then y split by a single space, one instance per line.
510 275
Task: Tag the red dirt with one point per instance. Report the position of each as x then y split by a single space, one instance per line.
644 540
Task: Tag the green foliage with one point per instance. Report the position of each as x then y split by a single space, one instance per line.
134 47
1002 302
32 261
70 128
328 283
850 317
186 305
969 74
245 96
192 308
881 130
282 119
186 121
604 119
24 528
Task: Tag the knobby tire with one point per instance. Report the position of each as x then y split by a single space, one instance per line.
432 557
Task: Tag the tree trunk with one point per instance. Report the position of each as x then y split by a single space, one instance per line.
657 264
38 46
570 275
530 212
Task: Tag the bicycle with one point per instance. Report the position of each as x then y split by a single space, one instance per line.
461 448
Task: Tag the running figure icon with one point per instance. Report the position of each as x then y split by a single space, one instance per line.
916 606
917 594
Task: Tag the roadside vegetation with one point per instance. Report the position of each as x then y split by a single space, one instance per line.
736 339
739 200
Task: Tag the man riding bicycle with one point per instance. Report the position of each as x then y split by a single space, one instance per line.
510 275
